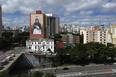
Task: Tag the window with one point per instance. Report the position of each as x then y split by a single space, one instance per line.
100 39
29 47
35 42
32 42
100 34
35 47
43 47
47 42
43 43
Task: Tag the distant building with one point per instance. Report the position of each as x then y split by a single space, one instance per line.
95 34
69 28
59 44
113 34
0 21
82 29
52 26
69 38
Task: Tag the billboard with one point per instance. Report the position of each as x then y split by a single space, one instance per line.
36 25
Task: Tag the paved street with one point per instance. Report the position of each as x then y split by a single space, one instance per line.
82 71
16 50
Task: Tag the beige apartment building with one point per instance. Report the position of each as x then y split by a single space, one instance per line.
95 34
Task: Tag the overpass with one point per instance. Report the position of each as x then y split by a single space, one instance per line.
20 61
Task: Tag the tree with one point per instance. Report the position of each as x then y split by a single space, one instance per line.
112 52
57 35
22 37
50 75
5 73
96 50
8 36
3 43
67 49
110 45
38 74
23 75
59 58
16 75
78 52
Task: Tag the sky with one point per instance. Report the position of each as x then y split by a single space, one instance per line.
81 13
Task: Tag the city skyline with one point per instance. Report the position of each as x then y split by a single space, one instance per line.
80 13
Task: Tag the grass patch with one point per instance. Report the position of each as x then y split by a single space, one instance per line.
91 63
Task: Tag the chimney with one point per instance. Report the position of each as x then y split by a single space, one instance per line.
38 12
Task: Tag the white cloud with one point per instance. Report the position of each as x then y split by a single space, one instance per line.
1 2
16 22
67 9
65 6
74 16
86 12
83 4
108 7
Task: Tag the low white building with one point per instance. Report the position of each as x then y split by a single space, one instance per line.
40 44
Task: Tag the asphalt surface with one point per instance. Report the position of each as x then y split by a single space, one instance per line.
15 50
84 69
100 75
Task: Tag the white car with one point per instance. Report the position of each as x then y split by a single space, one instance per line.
8 58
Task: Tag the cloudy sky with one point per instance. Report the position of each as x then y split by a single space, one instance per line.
78 12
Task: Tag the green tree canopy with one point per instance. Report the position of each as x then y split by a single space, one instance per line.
50 75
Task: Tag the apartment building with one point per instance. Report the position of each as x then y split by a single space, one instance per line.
95 35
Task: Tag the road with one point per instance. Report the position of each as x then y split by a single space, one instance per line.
100 75
15 50
85 69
